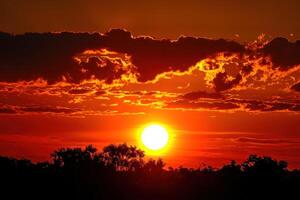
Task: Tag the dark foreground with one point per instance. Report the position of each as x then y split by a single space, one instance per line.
120 172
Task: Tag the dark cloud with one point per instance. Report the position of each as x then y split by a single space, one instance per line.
296 87
202 94
284 54
102 69
265 141
9 109
234 104
255 105
295 107
247 69
43 55
79 91
214 105
50 55
99 93
47 109
267 106
222 82
153 57
278 106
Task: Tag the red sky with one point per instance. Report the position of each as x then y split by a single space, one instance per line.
222 99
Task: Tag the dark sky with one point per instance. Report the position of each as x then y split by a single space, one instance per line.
161 19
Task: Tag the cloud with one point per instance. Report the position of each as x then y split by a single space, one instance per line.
42 55
115 68
210 105
16 109
202 94
222 82
50 56
47 109
63 110
7 110
79 91
115 55
253 105
226 104
268 106
265 141
284 54
296 87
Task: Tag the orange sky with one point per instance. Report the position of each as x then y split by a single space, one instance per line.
161 19
222 99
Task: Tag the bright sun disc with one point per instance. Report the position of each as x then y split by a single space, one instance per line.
155 137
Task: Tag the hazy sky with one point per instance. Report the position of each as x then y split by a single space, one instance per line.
161 19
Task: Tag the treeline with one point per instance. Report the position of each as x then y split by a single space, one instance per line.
121 172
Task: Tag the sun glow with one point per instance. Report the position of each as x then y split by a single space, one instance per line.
154 138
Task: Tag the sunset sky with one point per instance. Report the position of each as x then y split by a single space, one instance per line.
222 76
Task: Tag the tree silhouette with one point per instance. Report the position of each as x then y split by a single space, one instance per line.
70 157
264 166
122 157
120 172
155 166
233 169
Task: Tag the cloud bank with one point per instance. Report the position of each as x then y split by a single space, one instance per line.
262 76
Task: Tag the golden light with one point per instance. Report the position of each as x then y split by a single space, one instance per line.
154 138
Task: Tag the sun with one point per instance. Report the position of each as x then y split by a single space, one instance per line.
155 137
